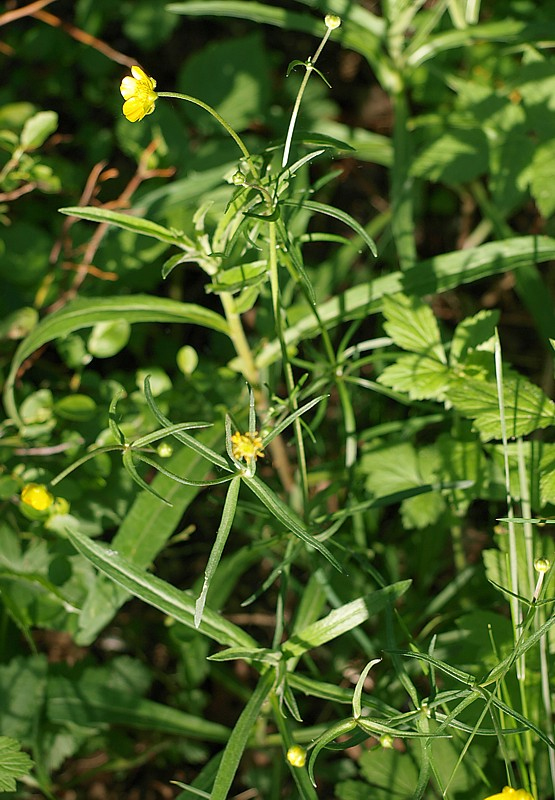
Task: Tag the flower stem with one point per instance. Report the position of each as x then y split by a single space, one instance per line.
235 136
308 66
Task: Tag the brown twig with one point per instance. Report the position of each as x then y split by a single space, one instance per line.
85 38
24 11
13 195
98 174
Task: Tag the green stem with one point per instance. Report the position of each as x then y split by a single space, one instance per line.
235 136
240 343
402 223
294 114
289 381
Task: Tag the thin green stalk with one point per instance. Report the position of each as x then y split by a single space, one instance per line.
309 67
288 373
402 221
235 136
240 343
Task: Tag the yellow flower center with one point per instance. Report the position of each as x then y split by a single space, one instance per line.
37 496
246 446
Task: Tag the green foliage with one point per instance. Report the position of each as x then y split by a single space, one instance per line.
288 431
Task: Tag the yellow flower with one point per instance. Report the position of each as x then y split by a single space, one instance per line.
37 496
511 794
246 446
296 756
139 95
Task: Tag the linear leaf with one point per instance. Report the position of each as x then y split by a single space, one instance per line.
239 737
288 518
336 213
86 312
427 277
180 605
68 701
143 533
228 515
126 221
343 619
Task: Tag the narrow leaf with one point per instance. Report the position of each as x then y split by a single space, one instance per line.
224 528
179 605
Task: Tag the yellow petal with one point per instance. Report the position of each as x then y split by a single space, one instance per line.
128 87
143 78
133 109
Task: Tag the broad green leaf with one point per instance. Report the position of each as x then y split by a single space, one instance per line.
241 91
527 408
13 764
453 157
547 475
427 277
79 703
543 176
22 691
86 312
412 326
421 377
37 129
240 736
343 619
125 221
76 407
391 771
180 605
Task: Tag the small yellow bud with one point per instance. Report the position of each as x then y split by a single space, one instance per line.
332 21
386 741
541 565
296 755
164 450
37 496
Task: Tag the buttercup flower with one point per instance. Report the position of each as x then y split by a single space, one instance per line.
37 496
296 756
245 446
511 794
139 95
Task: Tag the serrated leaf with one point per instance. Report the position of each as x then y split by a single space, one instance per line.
471 333
527 408
421 377
13 764
412 325
437 274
